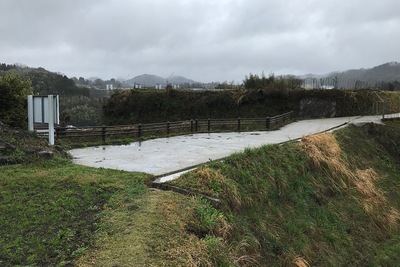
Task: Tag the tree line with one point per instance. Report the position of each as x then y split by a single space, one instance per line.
77 106
285 82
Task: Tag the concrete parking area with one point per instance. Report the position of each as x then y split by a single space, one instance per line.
168 155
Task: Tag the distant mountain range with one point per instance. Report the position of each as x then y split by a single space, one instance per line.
387 72
147 80
384 76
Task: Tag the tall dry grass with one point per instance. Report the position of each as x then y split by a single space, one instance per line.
325 152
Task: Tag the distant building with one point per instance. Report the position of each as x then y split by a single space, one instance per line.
109 86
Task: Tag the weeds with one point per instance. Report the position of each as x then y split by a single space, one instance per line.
217 251
208 220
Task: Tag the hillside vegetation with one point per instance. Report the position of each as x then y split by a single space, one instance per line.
78 105
144 106
329 200
385 76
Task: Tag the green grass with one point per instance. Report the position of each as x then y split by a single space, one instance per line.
55 213
283 207
50 211
159 231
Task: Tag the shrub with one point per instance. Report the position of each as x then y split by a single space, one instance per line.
13 102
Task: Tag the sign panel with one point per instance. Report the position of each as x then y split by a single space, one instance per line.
41 107
46 110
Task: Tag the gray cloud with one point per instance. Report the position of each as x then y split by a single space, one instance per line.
203 40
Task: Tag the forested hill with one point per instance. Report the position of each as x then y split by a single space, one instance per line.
148 80
44 82
79 105
385 73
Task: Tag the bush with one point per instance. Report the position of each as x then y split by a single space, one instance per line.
13 101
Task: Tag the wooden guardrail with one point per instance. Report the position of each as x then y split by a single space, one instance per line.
174 128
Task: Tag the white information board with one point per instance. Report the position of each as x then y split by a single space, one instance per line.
46 110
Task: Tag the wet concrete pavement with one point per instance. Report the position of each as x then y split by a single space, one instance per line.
167 155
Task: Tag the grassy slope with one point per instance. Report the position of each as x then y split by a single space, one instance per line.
326 201
152 233
55 213
49 211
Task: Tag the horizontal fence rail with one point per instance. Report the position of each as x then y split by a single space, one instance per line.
139 130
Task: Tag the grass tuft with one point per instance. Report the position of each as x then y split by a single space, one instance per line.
299 261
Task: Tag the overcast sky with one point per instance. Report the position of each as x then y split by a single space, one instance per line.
204 40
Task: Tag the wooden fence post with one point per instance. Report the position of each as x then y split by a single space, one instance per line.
139 130
209 125
238 125
196 125
58 130
191 125
168 127
103 133
268 123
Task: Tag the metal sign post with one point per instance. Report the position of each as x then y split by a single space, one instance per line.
51 115
30 113
45 110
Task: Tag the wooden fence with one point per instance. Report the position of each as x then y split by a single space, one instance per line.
105 133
